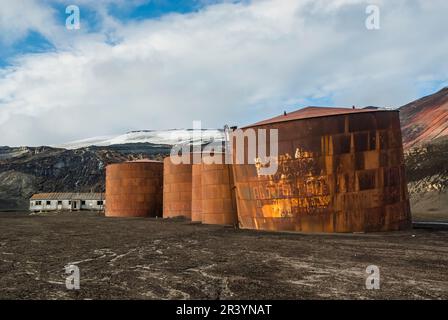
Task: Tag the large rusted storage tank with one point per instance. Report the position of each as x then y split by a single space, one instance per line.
177 185
134 189
339 170
196 193
218 204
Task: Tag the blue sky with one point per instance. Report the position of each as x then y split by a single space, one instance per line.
35 42
32 42
155 64
156 9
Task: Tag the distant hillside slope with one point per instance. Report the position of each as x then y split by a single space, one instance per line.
427 173
79 166
424 124
425 119
26 170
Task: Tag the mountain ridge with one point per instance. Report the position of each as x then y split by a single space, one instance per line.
155 137
425 120
28 170
80 165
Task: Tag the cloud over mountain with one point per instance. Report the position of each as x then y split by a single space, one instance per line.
231 63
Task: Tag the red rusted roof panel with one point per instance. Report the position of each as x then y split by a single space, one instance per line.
313 112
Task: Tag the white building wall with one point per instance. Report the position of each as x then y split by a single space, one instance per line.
54 205
45 205
92 205
66 205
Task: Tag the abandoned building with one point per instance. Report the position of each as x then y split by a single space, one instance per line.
67 201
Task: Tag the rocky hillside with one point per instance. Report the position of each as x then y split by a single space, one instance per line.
425 135
427 173
425 120
26 170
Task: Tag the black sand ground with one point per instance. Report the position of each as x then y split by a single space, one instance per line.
155 259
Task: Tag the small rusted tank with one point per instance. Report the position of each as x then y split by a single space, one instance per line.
177 189
218 197
339 170
134 189
196 194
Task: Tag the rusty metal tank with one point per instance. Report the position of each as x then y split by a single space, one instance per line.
177 189
196 193
339 170
218 204
134 189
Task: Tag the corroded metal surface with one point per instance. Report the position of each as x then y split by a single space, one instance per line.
310 112
340 173
218 199
134 189
196 194
177 184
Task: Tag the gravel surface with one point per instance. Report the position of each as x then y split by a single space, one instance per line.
140 258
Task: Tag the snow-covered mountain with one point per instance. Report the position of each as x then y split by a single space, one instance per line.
157 137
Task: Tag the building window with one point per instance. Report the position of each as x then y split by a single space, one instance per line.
48 202
69 202
83 202
99 203
59 203
38 203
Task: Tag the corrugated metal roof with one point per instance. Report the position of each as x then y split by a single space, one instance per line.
314 112
67 196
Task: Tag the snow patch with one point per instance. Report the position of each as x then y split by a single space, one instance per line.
169 137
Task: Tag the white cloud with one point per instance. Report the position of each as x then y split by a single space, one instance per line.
228 63
17 18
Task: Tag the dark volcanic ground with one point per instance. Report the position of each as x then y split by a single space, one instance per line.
160 259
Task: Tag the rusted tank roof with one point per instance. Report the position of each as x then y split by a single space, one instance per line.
315 112
143 160
67 196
